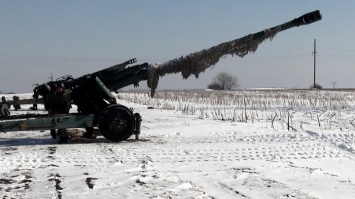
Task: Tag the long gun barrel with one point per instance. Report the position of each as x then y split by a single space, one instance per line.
198 62
300 21
98 85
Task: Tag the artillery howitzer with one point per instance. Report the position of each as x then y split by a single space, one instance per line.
97 107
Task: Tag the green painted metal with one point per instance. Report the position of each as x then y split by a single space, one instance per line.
49 122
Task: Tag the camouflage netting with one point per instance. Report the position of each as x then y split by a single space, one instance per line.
198 62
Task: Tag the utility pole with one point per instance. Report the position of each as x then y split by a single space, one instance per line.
334 84
51 77
314 64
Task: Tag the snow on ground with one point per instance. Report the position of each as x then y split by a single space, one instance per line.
183 156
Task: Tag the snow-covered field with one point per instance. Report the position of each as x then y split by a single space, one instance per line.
245 144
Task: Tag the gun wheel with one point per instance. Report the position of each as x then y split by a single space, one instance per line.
116 123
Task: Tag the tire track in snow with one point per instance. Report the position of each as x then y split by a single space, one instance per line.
17 183
342 141
241 147
154 183
270 153
253 181
187 149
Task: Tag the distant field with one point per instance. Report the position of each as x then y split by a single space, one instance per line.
277 108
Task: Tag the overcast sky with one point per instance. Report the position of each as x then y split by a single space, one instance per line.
39 38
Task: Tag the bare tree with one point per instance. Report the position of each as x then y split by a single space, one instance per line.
224 81
316 86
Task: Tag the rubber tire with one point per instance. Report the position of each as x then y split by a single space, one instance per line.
116 123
